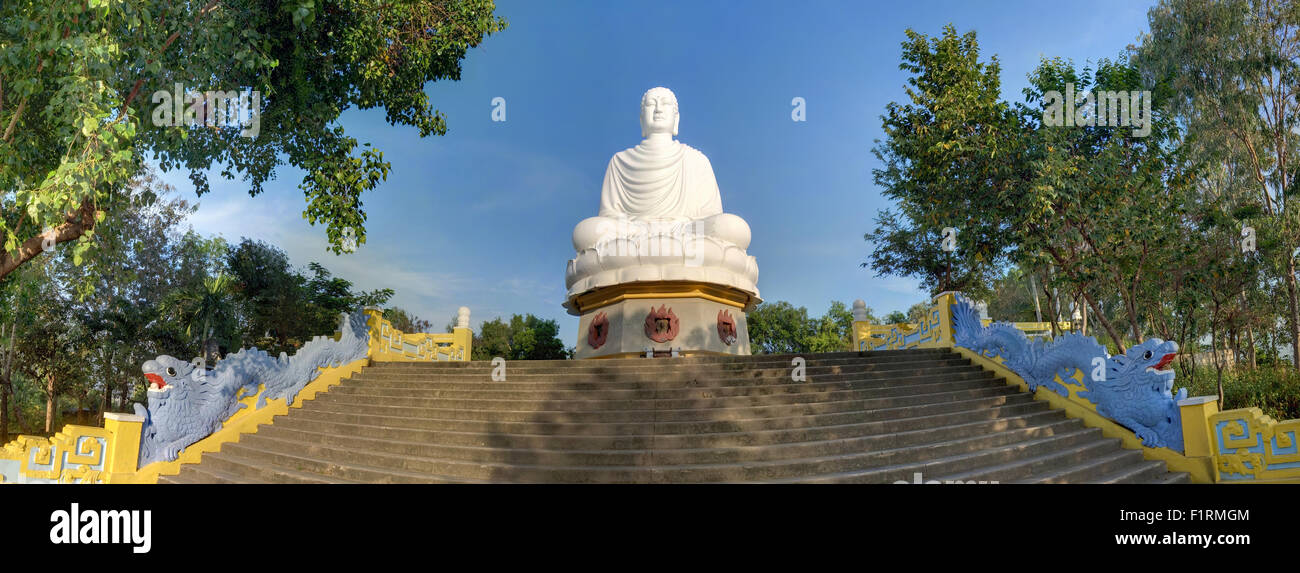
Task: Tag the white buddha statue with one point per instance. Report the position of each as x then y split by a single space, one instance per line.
661 215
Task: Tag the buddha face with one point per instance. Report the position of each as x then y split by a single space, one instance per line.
659 112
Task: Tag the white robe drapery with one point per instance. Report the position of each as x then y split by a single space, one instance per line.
671 182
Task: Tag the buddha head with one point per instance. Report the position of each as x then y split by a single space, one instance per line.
659 112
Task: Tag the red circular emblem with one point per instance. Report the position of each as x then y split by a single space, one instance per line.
661 325
598 330
726 327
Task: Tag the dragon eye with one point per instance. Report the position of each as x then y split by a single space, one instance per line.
171 371
1147 355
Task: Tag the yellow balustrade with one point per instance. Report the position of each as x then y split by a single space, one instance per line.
1251 447
867 336
1199 468
1234 446
245 421
77 454
88 454
387 344
934 332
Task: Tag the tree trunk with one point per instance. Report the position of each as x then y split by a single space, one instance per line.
105 402
4 412
5 382
1292 303
1250 334
1235 344
1083 312
1214 345
1038 310
1105 324
126 386
1056 316
76 224
49 404
1133 321
18 412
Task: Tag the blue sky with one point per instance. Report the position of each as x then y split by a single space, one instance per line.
482 217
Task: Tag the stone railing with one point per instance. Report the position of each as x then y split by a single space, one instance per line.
391 345
933 332
1129 396
192 411
1245 444
77 454
868 336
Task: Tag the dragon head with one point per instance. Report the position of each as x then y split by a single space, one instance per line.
1146 370
1147 363
165 372
175 392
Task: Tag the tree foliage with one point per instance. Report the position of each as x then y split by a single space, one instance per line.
782 328
80 112
523 338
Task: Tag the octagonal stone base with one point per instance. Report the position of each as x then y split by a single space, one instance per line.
625 307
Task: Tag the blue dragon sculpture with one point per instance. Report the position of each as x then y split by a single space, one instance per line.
1134 389
186 406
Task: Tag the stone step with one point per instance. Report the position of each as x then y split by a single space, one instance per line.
207 473
732 362
639 389
335 462
688 420
289 442
1145 471
642 399
1175 477
869 417
1002 417
648 410
672 378
252 470
253 462
722 361
1039 462
949 467
1089 469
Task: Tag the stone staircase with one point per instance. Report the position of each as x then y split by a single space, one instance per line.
872 417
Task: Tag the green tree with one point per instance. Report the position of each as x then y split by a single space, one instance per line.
1014 298
328 296
1233 73
206 312
782 328
918 312
1101 202
834 331
778 328
406 321
945 161
274 294
77 117
523 338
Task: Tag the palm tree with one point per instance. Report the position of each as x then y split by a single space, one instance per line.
209 308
